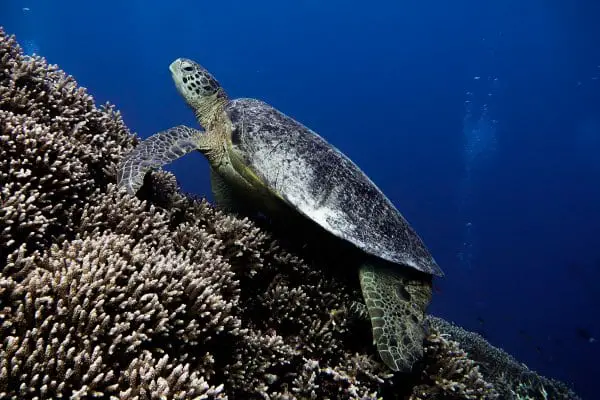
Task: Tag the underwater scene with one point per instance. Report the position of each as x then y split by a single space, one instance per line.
299 200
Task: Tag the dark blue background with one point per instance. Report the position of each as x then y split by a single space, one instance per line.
386 82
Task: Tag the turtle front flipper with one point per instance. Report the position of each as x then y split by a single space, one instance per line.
396 301
158 150
226 197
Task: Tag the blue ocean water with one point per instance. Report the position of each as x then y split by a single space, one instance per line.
480 121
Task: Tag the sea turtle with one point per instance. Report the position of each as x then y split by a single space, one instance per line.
264 159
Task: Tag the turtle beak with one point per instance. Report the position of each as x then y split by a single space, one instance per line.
176 73
174 66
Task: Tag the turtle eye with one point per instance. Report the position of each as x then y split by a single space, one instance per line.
188 68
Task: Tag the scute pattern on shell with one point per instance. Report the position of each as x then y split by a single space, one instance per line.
323 184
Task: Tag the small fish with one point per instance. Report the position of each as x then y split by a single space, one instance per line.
538 349
585 335
525 334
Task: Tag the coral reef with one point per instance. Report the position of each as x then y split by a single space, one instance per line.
162 296
450 373
509 377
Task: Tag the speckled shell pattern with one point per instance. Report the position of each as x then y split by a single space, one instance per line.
323 184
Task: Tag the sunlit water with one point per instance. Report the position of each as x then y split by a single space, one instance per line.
479 133
28 42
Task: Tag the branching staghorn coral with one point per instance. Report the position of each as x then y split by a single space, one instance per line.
55 147
451 373
163 296
84 316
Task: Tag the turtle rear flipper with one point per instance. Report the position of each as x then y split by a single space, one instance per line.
159 149
396 303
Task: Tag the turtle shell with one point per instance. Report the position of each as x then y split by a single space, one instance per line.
323 184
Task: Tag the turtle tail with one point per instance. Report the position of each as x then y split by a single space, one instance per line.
396 299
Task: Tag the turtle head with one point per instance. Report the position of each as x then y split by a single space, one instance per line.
198 87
